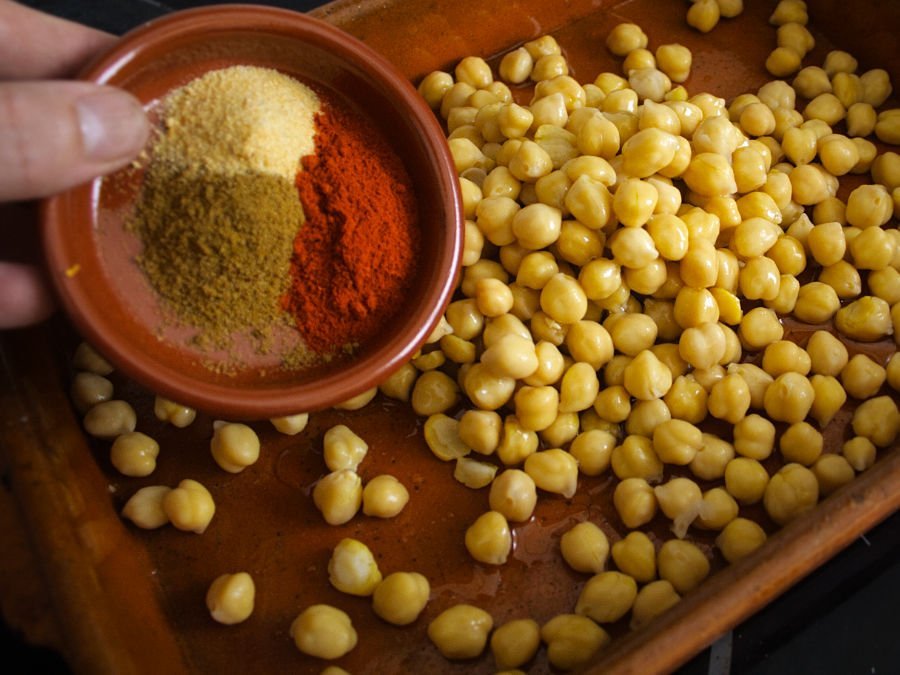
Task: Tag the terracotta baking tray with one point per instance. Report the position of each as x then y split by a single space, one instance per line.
130 601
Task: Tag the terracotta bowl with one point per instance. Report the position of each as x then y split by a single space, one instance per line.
90 254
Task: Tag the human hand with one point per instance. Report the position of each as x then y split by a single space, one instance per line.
54 134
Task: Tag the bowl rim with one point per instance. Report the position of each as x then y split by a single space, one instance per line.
280 398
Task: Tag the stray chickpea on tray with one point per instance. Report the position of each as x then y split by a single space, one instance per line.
674 333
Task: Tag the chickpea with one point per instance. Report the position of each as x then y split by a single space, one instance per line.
682 564
572 640
234 447
553 470
338 496
790 492
515 642
832 471
89 389
230 598
789 398
717 510
109 419
461 632
878 420
189 506
677 442
635 457
585 548
399 385
323 631
290 425
517 443
711 459
829 397
489 539
134 454
680 500
651 601
635 501
384 497
400 598
88 359
860 452
740 538
607 597
145 507
513 494
592 449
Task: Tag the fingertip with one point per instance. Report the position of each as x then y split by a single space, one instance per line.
113 125
25 298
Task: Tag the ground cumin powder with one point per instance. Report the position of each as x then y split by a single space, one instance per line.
219 209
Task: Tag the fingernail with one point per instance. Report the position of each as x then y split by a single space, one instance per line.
113 125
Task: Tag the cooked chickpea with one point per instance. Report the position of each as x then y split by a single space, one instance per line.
711 459
862 377
860 452
578 388
635 501
646 377
338 496
746 479
878 420
89 359
109 419
585 548
323 631
704 15
592 449
607 597
682 564
480 430
635 556
89 389
434 392
489 539
680 500
189 506
867 319
686 399
399 385
801 443
134 454
145 507
790 492
553 470
516 65
572 640
461 632
789 398
400 598
644 418
729 398
384 497
230 598
234 446
290 425
516 443
513 494
352 568
832 471
515 643
651 601
740 538
717 510
537 407
677 442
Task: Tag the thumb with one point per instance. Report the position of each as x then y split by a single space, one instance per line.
54 135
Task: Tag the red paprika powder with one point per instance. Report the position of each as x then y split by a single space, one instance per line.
355 255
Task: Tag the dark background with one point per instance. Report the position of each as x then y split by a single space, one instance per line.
841 620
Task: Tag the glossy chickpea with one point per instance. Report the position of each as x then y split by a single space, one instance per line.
461 632
635 501
189 507
134 454
145 507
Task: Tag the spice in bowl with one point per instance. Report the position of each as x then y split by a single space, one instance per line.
267 208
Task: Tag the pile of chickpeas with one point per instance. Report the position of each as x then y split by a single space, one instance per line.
632 253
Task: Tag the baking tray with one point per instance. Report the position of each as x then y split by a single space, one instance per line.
130 601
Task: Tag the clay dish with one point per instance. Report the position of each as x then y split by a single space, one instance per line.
90 254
